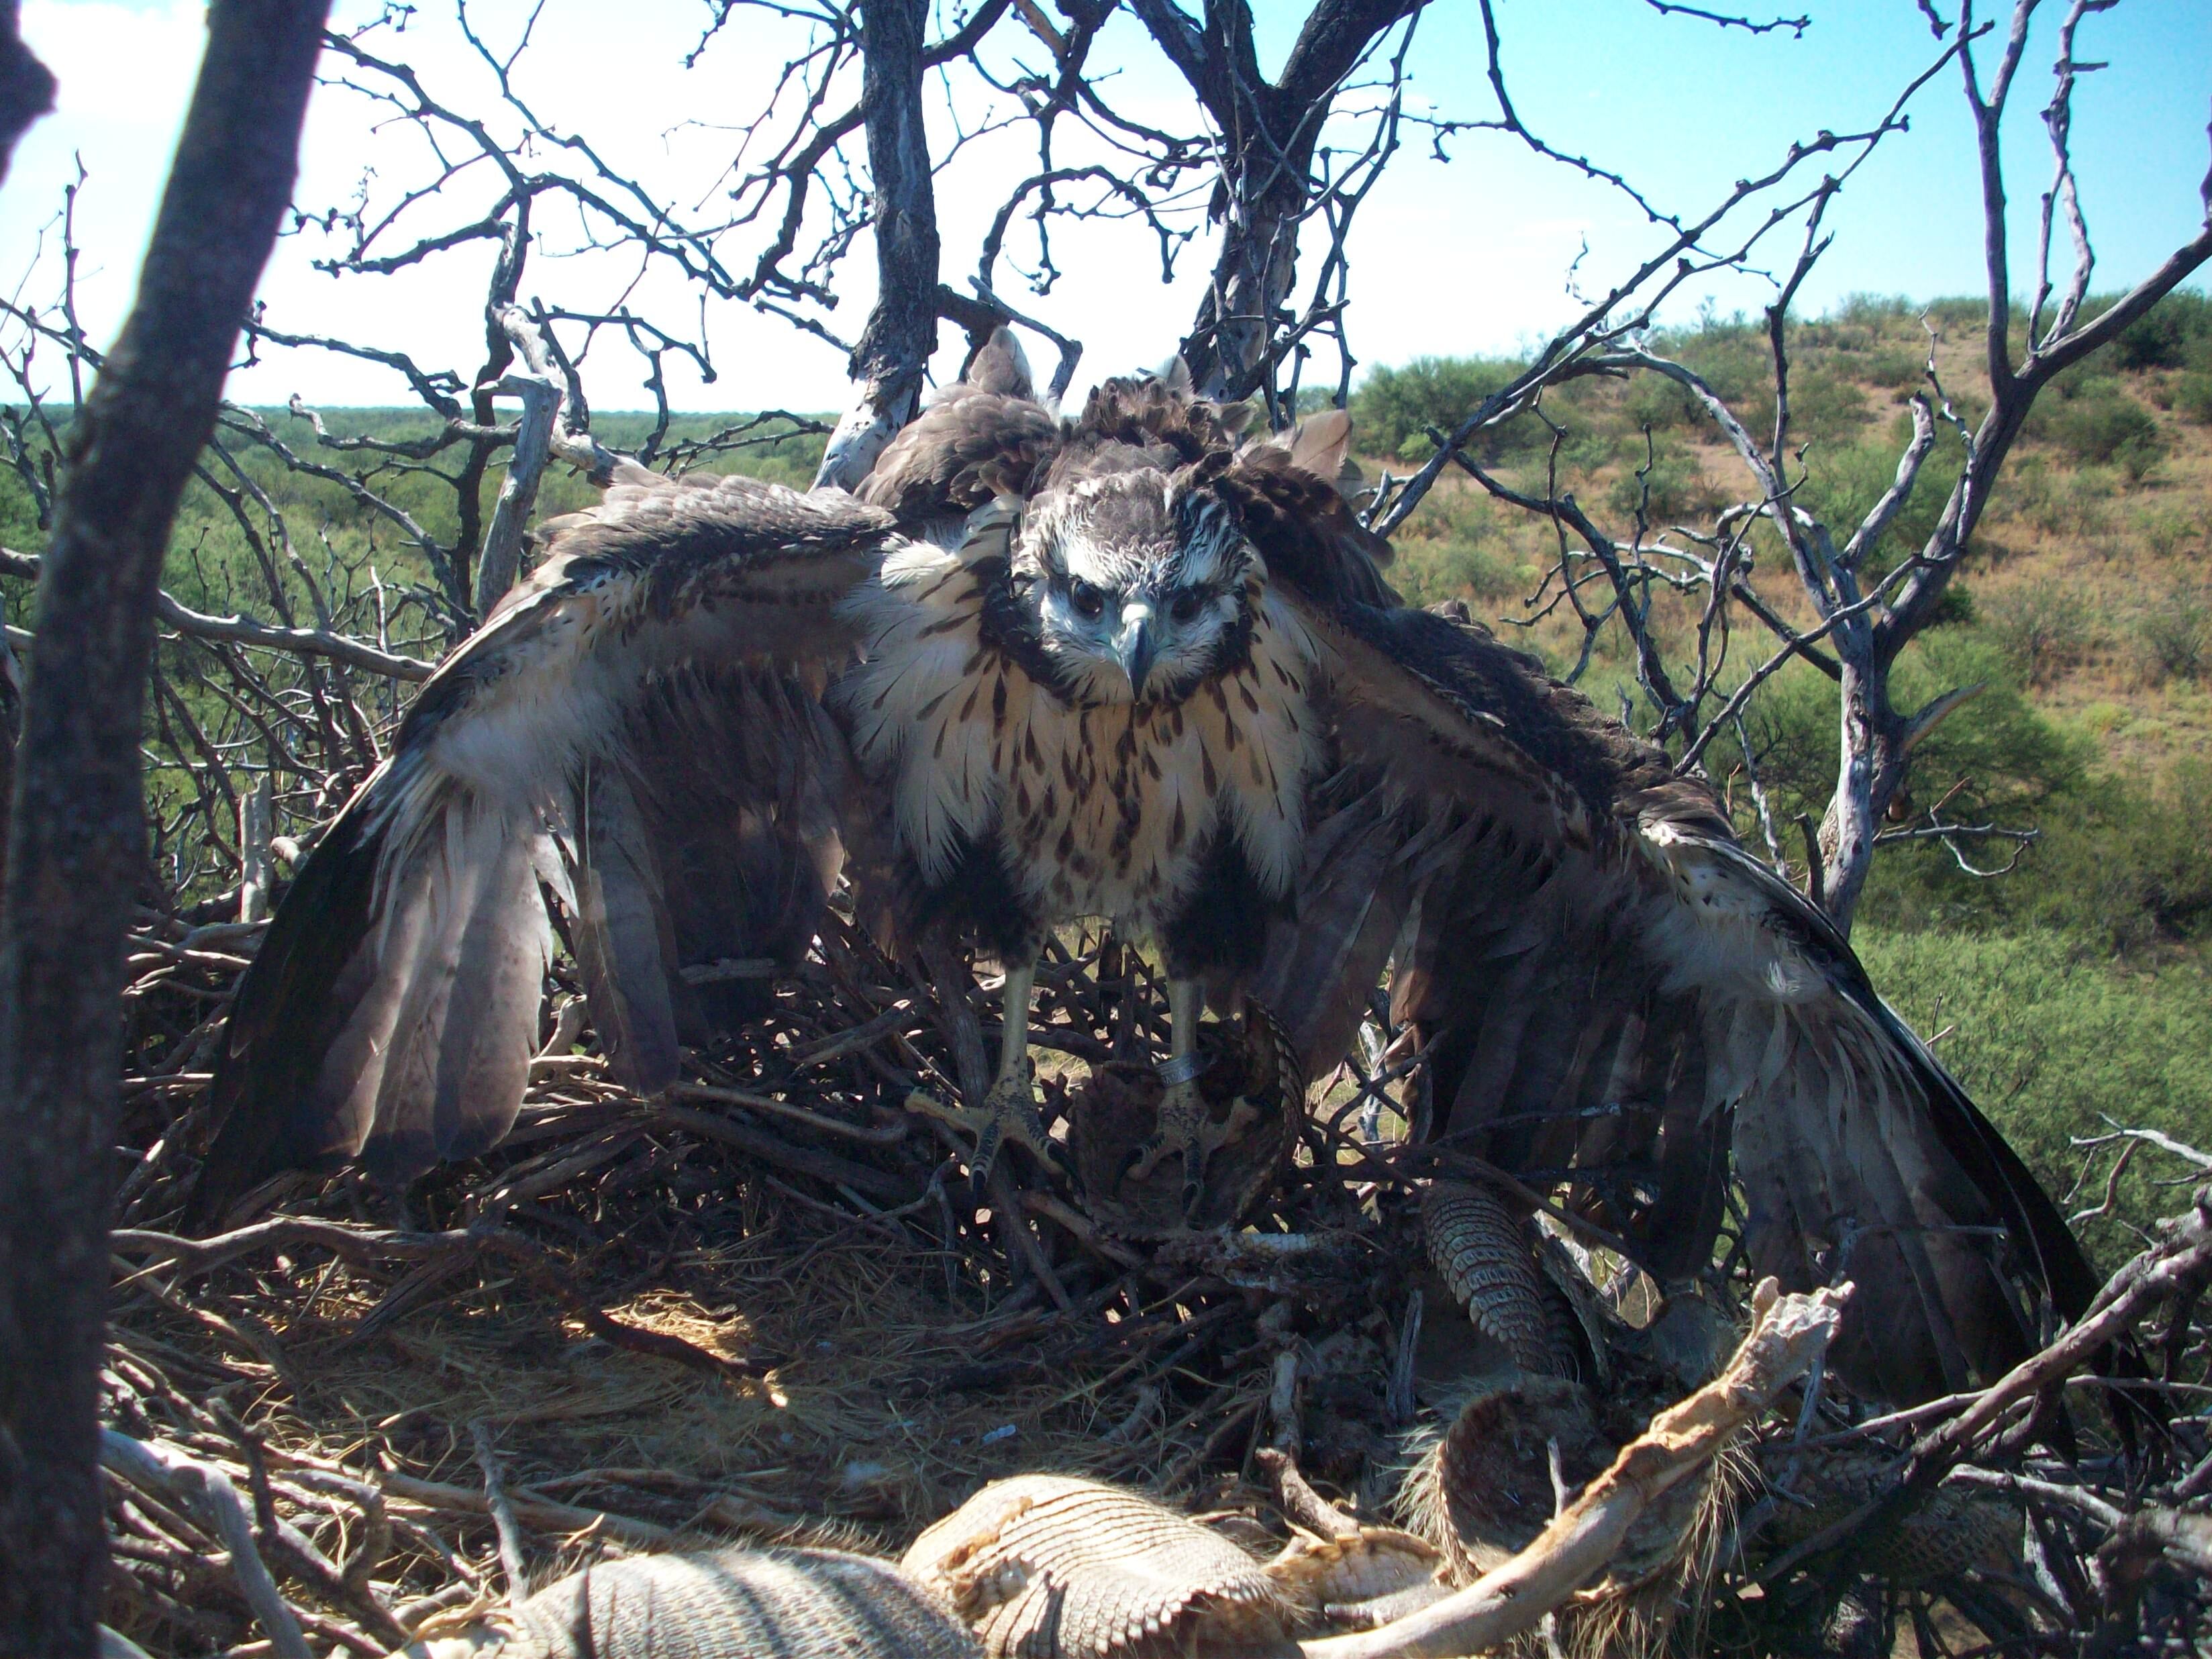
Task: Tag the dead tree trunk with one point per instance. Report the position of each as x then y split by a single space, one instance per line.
1877 740
895 348
1268 132
76 846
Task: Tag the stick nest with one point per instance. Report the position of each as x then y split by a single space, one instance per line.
766 1307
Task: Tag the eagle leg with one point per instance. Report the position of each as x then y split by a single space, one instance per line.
1008 1111
1185 1124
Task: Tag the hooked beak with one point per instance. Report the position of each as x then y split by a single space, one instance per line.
1133 644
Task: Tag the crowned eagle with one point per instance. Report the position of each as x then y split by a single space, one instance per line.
1134 665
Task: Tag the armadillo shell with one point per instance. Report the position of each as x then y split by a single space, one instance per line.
1484 1490
1952 1529
730 1604
1360 1580
1117 1110
1049 1566
1484 1250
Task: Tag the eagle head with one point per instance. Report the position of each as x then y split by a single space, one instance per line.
1139 582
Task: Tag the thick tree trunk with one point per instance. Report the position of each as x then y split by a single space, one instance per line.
77 840
1871 772
1268 132
895 349
1227 350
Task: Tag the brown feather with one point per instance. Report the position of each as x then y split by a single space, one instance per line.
1609 984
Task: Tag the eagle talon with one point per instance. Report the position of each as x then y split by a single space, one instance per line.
1185 1126
1008 1113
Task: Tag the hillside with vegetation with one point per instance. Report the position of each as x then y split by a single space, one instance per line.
2071 990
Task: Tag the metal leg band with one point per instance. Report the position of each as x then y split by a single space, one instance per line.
1183 1069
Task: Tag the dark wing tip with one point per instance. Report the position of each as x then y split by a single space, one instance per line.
288 1009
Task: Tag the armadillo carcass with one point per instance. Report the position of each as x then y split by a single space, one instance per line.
1486 1252
728 1604
1951 1529
1047 1566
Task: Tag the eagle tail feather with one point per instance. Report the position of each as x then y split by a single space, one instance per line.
391 1011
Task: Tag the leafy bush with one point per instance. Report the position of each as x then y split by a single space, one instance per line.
2104 427
2053 1043
1393 407
2167 530
19 516
1825 405
2161 337
1655 401
1872 310
1667 489
2192 396
1959 313
2175 635
1451 549
2012 761
1451 569
2123 867
2131 866
2041 627
1843 483
1894 370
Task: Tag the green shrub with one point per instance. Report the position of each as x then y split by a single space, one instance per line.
2010 760
1825 406
19 515
2041 627
2105 427
2166 531
2123 865
1894 370
2054 1043
1872 310
1956 314
1452 547
2161 337
1393 407
2192 396
2175 635
2132 867
1667 488
1428 573
1842 483
1655 401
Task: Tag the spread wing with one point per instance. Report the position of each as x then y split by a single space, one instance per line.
1616 994
632 748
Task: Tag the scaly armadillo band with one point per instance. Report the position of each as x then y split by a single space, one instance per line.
1181 1069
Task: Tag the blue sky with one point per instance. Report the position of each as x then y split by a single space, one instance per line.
1471 257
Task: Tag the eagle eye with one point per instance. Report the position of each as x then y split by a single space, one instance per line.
1090 604
1186 605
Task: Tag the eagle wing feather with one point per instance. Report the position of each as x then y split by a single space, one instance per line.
1613 992
635 731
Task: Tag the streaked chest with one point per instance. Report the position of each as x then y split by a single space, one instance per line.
1101 809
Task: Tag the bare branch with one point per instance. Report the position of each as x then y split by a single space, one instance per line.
76 842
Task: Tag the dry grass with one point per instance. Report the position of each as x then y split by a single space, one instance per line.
823 1363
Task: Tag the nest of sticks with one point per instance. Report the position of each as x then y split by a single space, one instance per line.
768 1307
